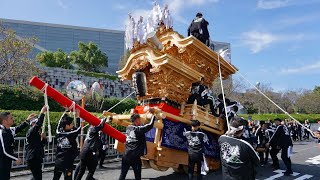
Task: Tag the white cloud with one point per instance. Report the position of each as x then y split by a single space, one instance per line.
62 4
258 41
292 21
176 6
310 68
272 4
119 7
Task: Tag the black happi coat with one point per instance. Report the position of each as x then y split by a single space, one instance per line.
197 25
92 142
67 149
6 144
136 140
196 140
263 136
34 147
281 137
238 159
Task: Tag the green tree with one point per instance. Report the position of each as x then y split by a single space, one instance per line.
54 59
89 57
309 103
15 61
317 90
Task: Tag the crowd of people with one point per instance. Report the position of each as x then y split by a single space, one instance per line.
243 147
67 132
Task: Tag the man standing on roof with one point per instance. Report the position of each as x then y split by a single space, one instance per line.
281 140
238 158
199 29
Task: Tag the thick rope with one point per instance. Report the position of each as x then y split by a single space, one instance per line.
45 95
224 99
73 109
285 112
117 103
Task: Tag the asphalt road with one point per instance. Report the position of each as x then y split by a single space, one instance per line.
306 165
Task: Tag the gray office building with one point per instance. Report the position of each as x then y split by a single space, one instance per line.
54 36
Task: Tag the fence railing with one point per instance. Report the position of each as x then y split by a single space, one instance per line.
50 151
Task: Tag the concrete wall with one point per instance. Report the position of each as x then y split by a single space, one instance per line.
59 78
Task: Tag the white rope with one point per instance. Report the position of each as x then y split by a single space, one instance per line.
45 95
285 112
117 104
224 99
120 101
73 109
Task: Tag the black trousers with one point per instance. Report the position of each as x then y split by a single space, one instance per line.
102 156
5 172
264 156
35 165
299 135
306 134
192 161
284 156
90 161
136 166
66 172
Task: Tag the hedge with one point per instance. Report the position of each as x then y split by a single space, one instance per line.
30 98
97 75
24 98
20 116
313 118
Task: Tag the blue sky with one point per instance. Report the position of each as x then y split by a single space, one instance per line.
274 42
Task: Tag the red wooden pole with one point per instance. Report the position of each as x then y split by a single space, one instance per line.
84 114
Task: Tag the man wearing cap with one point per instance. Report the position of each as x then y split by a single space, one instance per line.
196 140
238 158
281 140
7 134
135 145
34 146
199 29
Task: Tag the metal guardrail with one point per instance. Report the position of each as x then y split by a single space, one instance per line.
50 150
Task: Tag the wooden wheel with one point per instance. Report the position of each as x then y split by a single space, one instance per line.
181 169
156 167
145 163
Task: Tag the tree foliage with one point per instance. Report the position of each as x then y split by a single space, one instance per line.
15 63
89 57
298 101
309 103
54 59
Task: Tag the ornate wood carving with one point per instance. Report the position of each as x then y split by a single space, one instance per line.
171 71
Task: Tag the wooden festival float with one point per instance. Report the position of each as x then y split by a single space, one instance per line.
171 63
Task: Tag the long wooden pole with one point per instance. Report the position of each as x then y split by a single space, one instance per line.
87 116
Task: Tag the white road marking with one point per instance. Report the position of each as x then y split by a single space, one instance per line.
280 174
314 160
307 176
